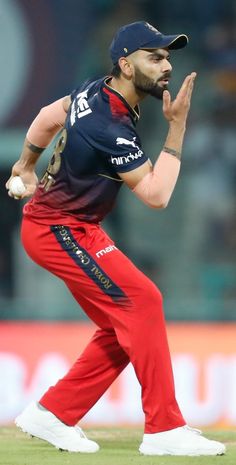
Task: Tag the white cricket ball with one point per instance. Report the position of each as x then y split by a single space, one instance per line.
16 186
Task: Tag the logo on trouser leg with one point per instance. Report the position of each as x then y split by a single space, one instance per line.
108 249
87 263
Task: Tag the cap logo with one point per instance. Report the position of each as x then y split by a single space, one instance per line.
125 50
153 29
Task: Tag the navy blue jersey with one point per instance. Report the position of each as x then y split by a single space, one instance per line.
98 141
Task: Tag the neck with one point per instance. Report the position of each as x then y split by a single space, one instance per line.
127 90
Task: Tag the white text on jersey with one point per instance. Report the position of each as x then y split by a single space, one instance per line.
83 108
126 159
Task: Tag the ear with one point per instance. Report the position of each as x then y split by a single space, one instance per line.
126 67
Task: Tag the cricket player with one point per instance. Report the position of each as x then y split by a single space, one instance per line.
97 151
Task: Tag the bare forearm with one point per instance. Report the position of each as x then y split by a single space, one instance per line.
175 137
156 188
167 167
29 155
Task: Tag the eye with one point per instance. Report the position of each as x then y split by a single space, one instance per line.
155 58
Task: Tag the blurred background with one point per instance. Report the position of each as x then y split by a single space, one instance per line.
47 48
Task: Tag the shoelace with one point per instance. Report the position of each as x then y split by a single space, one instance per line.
193 430
80 431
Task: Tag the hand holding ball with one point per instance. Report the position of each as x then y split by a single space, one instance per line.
16 187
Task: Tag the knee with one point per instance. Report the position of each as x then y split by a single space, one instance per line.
154 296
150 303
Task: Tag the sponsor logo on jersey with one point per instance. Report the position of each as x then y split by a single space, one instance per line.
108 249
131 156
126 159
122 141
80 107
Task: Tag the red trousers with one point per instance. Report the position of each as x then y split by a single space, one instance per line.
127 308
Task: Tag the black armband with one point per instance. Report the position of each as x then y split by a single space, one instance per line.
173 152
34 148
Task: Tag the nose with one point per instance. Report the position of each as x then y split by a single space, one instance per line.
166 66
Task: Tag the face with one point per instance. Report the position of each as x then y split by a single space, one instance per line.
152 71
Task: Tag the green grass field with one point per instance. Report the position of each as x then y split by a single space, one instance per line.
118 447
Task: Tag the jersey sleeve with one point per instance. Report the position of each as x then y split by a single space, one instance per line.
75 92
84 85
122 148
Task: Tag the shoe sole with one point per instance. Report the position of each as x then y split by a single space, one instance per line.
150 450
37 432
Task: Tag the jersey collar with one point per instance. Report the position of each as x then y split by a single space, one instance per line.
122 104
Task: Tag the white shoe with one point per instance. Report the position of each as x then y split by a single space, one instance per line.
180 441
41 423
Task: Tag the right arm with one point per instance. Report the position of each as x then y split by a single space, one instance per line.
43 129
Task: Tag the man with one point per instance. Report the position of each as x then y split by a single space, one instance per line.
97 151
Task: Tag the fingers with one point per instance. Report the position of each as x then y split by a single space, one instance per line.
30 183
187 86
7 183
191 85
20 197
16 197
166 100
30 190
183 89
27 193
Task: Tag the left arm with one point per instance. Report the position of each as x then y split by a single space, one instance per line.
154 185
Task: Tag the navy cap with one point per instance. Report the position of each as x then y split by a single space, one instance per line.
141 35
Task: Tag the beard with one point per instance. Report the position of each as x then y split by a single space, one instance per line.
147 85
